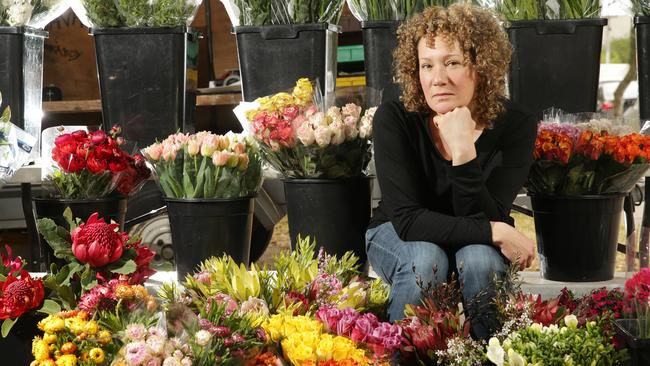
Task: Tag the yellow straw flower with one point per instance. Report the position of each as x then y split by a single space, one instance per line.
51 324
49 338
104 337
96 355
67 360
91 328
76 325
40 350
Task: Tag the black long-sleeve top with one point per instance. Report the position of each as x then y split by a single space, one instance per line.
428 199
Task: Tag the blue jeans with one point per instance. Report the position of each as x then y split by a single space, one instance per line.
394 260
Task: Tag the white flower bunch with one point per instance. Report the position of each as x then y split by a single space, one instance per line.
335 126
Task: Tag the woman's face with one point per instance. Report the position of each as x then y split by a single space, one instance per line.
446 79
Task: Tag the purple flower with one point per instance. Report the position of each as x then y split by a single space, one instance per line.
347 321
261 335
329 316
136 353
203 277
564 128
363 326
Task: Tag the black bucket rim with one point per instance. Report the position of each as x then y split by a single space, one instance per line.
325 181
299 27
208 200
641 19
25 30
580 197
389 24
79 200
594 22
140 30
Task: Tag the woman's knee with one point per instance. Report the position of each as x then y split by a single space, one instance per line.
480 261
426 260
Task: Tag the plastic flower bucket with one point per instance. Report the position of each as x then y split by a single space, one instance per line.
146 78
273 57
642 25
379 42
577 236
334 212
639 348
555 63
16 348
202 228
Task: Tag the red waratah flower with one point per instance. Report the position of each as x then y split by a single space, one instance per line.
97 243
20 295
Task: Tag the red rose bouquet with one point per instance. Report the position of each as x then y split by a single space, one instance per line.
301 138
96 252
587 158
94 165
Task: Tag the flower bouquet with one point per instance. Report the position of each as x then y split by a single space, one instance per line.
301 139
591 157
204 165
93 165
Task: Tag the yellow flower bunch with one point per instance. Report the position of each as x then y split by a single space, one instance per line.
303 92
301 96
70 338
310 347
280 326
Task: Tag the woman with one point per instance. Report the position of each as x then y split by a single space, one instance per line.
450 159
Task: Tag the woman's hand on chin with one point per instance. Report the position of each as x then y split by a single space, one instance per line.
457 130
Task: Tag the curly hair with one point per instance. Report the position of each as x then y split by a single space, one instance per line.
484 45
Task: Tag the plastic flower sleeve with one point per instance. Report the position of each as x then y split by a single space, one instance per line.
365 10
45 11
15 147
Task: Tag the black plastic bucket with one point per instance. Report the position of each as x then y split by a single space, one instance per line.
147 79
638 346
16 348
577 236
273 57
21 72
203 228
555 63
379 42
110 209
642 25
334 212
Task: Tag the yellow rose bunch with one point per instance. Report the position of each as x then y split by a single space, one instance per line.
280 326
70 339
301 96
304 343
304 348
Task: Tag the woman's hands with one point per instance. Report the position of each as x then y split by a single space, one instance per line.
513 244
457 131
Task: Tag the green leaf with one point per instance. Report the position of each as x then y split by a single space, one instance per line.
127 268
2 277
6 116
6 326
50 307
67 215
57 238
74 268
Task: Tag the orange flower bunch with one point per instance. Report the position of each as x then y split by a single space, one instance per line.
628 149
551 145
591 144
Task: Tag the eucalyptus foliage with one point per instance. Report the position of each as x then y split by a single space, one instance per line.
365 10
266 12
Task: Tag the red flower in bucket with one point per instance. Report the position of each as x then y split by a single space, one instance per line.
20 295
97 243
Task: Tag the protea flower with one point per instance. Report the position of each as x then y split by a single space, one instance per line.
97 243
19 295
